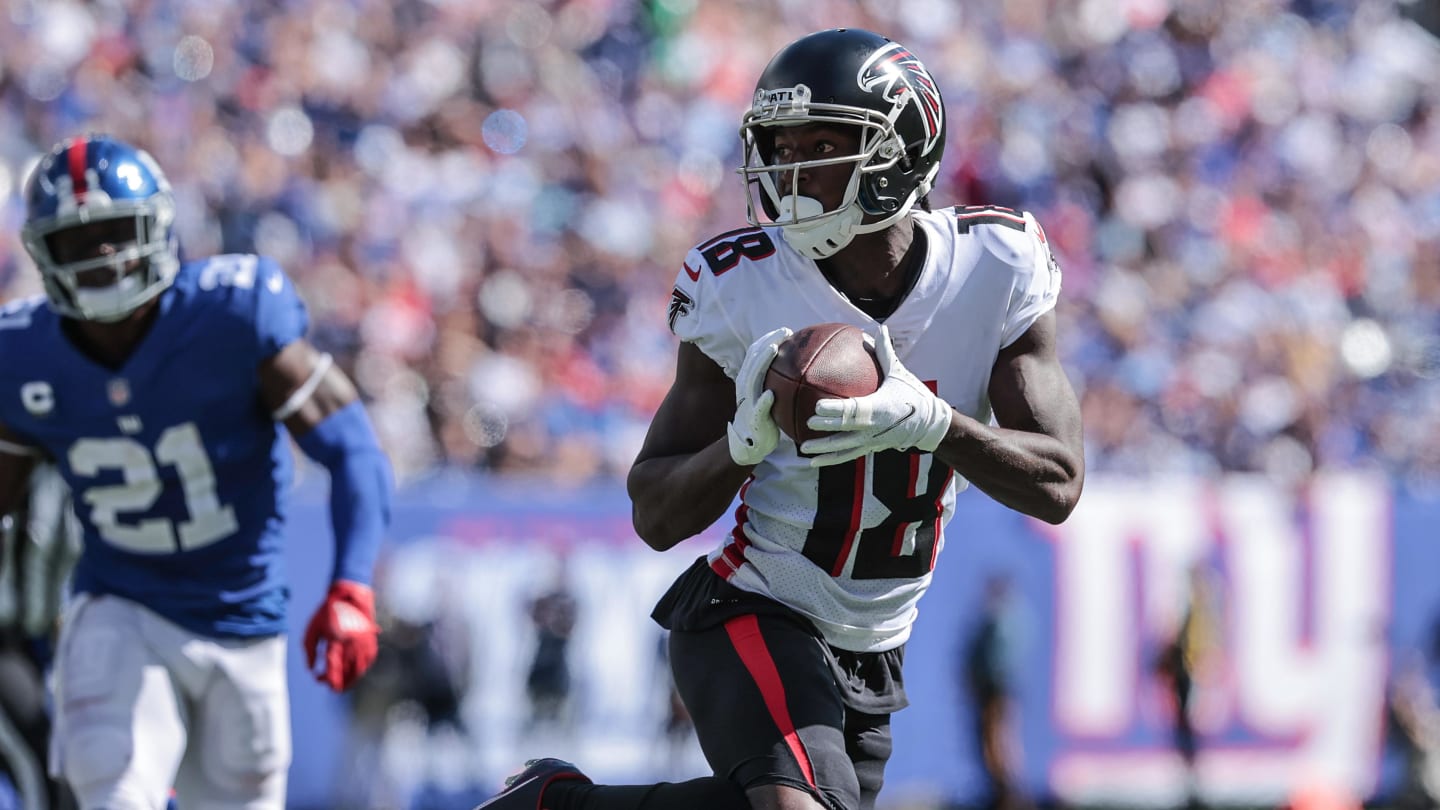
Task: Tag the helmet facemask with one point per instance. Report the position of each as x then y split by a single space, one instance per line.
71 285
843 77
882 164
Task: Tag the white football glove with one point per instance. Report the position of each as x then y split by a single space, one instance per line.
753 433
902 414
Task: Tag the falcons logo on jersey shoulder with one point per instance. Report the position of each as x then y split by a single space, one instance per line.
905 81
680 306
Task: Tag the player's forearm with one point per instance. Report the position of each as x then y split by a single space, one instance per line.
677 497
344 442
1032 473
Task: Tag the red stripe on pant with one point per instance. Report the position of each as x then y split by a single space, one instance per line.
745 635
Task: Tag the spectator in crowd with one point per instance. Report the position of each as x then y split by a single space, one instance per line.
1182 661
407 713
991 655
1413 722
553 614
677 728
486 202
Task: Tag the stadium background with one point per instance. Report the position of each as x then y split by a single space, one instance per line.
484 203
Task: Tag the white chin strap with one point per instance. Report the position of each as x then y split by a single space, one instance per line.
828 235
823 237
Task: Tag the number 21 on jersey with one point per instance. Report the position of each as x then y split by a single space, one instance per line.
180 447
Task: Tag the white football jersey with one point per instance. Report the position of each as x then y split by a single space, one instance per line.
852 545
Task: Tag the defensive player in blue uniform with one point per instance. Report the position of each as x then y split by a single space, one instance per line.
160 390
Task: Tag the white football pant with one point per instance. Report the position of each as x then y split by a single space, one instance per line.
143 705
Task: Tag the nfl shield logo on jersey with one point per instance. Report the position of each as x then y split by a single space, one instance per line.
118 391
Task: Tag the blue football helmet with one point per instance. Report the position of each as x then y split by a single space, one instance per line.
97 179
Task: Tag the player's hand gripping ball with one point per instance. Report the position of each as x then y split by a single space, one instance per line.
904 414
752 434
824 361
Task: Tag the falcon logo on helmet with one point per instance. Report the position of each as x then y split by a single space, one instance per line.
906 81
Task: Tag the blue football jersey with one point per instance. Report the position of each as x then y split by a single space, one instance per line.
178 473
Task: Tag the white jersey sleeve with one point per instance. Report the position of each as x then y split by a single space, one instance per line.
1036 285
700 313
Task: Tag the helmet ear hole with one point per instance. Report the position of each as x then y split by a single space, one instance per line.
910 157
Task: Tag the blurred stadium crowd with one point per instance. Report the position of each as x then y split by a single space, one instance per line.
485 201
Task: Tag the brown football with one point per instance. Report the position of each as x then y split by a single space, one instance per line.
819 362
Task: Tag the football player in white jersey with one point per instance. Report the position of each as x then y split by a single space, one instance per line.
787 640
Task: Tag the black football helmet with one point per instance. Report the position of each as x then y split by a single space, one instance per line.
853 77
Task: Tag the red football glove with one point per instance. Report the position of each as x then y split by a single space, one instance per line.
346 624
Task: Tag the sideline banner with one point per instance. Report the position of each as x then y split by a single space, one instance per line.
1307 601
